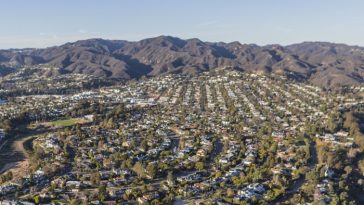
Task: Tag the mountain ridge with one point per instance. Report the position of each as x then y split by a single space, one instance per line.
320 63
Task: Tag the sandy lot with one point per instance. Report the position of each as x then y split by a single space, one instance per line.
21 167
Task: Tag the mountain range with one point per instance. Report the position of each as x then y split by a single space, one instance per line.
320 63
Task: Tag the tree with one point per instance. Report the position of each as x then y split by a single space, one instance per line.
344 196
361 166
9 176
349 120
170 178
109 123
36 199
230 193
348 169
74 202
139 169
102 193
152 170
199 166
95 178
322 151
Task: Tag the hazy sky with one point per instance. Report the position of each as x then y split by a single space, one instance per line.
41 23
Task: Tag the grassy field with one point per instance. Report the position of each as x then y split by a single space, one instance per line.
65 123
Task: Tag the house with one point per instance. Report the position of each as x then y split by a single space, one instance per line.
75 184
329 137
52 143
329 173
146 198
201 153
255 189
278 135
142 200
127 143
342 134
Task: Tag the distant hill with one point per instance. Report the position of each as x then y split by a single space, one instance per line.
320 63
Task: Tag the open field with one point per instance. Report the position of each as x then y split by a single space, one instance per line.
62 122
65 123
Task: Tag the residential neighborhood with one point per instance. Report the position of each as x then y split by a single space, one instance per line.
222 137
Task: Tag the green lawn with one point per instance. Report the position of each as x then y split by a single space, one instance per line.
65 123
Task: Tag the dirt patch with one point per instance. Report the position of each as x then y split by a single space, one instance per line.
19 169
